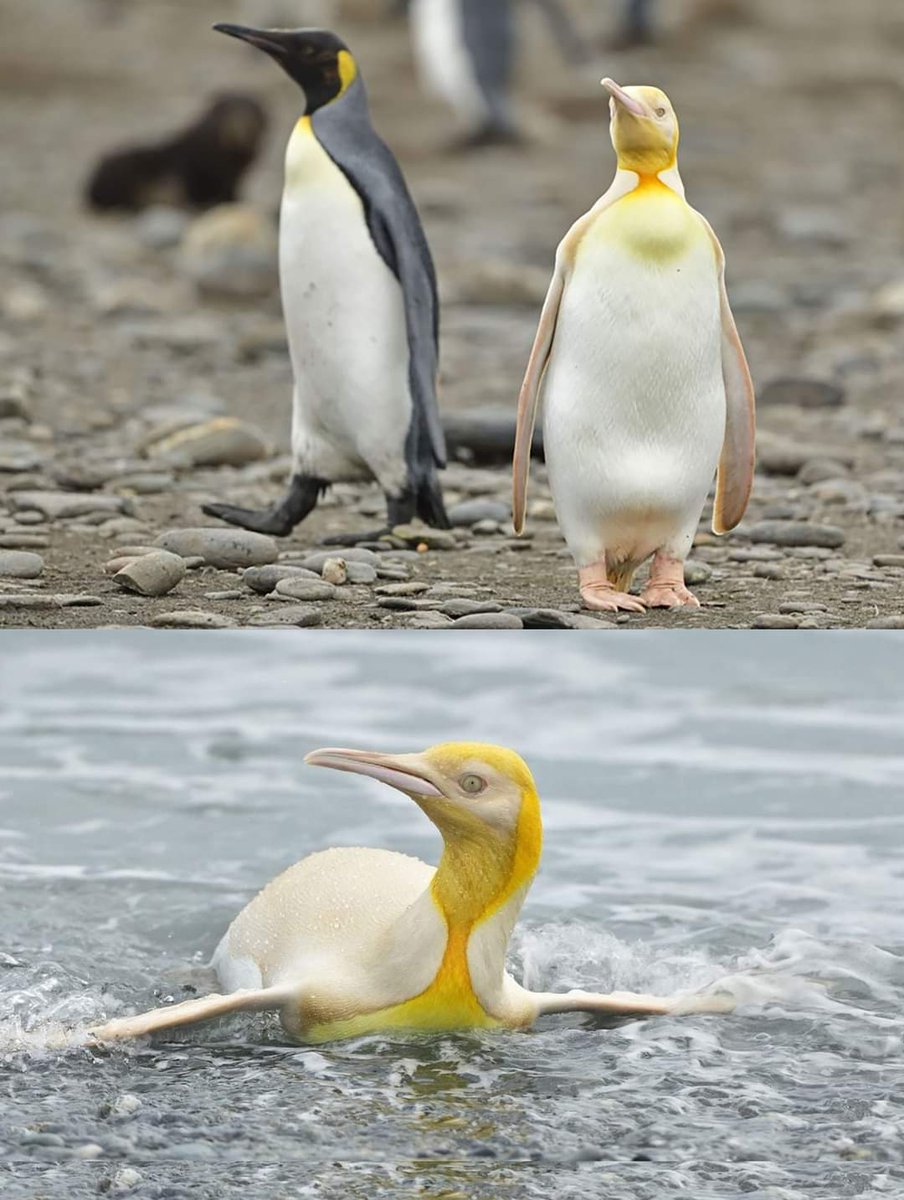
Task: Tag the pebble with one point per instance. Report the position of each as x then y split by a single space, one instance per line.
486 528
191 618
151 574
161 227
405 603
20 564
696 572
806 393
264 579
145 483
335 571
37 600
57 505
423 535
802 607
317 560
489 621
231 251
797 533
818 470
880 560
301 615
226 548
24 541
295 588
221 442
468 608
471 512
228 595
775 621
554 618
774 571
411 588
428 620
359 572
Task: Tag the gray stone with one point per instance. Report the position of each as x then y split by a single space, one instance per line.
300 615
295 588
775 621
161 227
406 603
423 535
192 618
489 621
887 623
23 541
797 533
231 251
225 548
818 470
411 588
805 393
554 618
19 564
801 607
38 600
880 560
264 579
234 594
316 561
486 528
470 512
466 608
359 572
16 457
151 574
57 505
696 572
145 483
427 620
220 442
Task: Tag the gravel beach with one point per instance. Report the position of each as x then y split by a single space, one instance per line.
141 376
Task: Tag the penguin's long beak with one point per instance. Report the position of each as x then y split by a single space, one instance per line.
620 96
405 772
271 41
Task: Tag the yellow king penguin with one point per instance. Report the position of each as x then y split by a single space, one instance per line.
645 383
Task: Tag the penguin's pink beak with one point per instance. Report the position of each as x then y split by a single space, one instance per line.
620 96
405 772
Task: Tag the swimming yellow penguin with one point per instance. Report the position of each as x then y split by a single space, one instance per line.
355 941
643 375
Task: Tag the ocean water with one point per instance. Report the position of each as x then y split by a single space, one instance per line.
718 807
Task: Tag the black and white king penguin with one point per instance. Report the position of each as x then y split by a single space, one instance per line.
359 299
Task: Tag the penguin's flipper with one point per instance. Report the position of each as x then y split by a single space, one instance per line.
621 1005
738 461
529 399
205 1008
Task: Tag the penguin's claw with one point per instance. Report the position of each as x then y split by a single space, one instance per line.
604 598
258 521
669 596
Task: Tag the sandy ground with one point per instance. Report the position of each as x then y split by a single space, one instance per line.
791 146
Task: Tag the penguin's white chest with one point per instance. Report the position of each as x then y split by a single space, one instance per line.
634 396
345 319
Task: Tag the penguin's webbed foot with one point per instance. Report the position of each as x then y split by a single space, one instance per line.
604 598
265 520
662 595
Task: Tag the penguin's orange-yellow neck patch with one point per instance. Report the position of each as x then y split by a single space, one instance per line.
348 71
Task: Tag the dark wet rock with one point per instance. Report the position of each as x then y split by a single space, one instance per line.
489 621
191 618
55 506
151 574
775 621
797 533
805 393
20 564
225 548
298 588
264 579
553 618
220 442
470 512
300 615
457 607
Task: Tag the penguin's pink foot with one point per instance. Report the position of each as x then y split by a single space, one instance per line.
666 588
599 595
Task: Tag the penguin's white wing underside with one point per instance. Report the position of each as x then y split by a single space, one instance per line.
622 1005
738 460
205 1008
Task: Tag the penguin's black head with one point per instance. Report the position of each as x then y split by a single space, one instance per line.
319 61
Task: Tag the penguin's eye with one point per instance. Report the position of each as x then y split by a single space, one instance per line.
661 112
472 784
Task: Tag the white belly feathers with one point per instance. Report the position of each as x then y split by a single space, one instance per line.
345 319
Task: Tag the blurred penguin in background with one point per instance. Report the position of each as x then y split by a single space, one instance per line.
465 52
637 25
198 168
